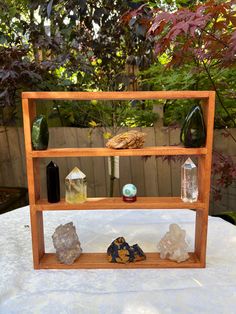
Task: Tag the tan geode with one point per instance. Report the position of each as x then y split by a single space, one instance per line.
131 139
66 243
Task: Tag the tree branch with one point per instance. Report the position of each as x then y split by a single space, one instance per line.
217 93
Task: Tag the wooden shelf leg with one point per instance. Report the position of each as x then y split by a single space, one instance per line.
33 171
201 236
38 247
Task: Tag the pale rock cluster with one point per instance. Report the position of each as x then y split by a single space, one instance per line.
173 245
66 243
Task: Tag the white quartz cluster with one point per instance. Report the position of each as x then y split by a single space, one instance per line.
173 245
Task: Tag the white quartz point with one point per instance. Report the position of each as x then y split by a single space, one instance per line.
76 187
189 182
173 245
75 174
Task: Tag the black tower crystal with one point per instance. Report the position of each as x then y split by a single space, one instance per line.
193 132
53 183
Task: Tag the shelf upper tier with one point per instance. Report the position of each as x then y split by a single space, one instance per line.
99 151
118 95
118 203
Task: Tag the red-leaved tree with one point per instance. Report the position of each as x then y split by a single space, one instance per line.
203 35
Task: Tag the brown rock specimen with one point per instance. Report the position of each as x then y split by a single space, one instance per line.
66 243
130 139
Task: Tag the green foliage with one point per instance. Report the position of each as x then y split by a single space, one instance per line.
73 45
200 37
83 45
139 113
109 115
192 77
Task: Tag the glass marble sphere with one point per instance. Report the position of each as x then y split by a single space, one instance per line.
129 190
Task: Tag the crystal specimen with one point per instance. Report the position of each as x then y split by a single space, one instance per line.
53 183
189 182
40 134
66 243
193 132
121 252
131 139
76 187
173 245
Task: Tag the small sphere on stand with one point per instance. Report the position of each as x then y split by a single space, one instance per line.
129 192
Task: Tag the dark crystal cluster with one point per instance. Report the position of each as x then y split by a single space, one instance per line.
121 252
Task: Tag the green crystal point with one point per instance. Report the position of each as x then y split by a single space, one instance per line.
193 132
40 134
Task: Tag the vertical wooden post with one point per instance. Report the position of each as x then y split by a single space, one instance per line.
201 235
204 179
29 113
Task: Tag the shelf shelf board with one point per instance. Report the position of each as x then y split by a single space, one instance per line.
99 151
117 95
100 261
117 203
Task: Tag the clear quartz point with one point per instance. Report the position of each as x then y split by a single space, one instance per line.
189 182
76 187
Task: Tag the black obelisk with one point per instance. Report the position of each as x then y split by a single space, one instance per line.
53 183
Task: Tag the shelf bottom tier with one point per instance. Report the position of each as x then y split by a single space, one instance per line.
99 261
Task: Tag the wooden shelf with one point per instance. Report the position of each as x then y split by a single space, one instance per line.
100 261
118 95
99 151
44 260
118 203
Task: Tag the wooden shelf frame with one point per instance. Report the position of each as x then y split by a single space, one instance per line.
101 152
109 203
99 261
138 95
43 260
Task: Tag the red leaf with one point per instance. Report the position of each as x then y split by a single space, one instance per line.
126 17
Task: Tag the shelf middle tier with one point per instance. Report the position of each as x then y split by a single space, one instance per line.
118 203
99 151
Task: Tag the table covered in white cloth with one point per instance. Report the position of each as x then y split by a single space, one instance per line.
146 291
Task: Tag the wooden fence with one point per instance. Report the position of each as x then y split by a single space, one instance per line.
152 176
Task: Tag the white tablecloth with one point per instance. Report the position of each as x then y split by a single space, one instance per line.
149 291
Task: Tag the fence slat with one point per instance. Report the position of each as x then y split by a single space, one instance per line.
71 139
87 162
99 166
22 150
15 155
137 171
7 174
125 171
163 167
150 166
175 166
